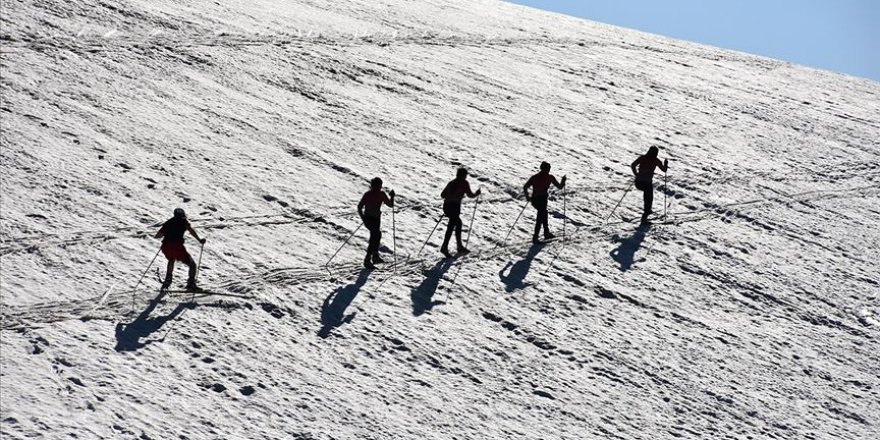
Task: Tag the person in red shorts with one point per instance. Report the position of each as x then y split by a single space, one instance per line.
370 210
171 234
452 196
643 169
540 184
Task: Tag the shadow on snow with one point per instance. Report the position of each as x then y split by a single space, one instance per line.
422 295
128 336
333 309
625 253
517 272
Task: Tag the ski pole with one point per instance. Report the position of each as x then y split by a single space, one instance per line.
514 223
343 244
621 200
665 174
198 269
134 289
199 264
471 225
394 238
429 235
564 216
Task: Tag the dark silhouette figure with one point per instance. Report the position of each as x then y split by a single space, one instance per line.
625 253
452 196
333 308
128 336
518 271
540 184
172 232
423 293
645 176
370 210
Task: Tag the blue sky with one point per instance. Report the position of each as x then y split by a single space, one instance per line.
838 35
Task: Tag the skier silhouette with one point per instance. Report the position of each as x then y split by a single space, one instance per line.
452 196
540 184
370 210
645 175
171 233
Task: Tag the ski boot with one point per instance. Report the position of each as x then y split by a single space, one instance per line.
445 251
192 287
369 264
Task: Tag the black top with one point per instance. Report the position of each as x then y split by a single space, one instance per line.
174 229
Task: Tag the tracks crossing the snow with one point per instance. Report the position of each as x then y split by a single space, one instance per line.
110 305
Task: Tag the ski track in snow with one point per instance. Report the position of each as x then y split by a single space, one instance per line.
752 313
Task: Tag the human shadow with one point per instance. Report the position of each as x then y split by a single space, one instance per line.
517 272
423 293
333 308
128 336
625 253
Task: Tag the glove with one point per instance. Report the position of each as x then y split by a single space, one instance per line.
563 180
479 191
203 240
391 193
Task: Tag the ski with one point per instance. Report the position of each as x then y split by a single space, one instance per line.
204 292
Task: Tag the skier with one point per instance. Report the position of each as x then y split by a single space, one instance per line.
171 234
452 196
645 175
540 184
369 209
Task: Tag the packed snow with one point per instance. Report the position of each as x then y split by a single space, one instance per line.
753 311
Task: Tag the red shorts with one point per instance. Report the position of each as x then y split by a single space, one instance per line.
175 251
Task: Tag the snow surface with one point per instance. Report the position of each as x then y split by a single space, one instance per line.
754 314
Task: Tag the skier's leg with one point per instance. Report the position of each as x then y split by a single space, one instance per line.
377 241
544 219
649 200
169 273
537 206
540 203
450 228
458 226
191 277
373 243
453 213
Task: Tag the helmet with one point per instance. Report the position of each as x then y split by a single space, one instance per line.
376 183
545 166
179 213
461 173
652 152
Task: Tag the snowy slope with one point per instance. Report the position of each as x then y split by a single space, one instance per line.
754 314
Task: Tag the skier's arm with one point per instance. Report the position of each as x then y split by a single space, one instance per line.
468 191
633 166
160 233
527 185
663 166
361 209
445 191
193 232
556 183
390 201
